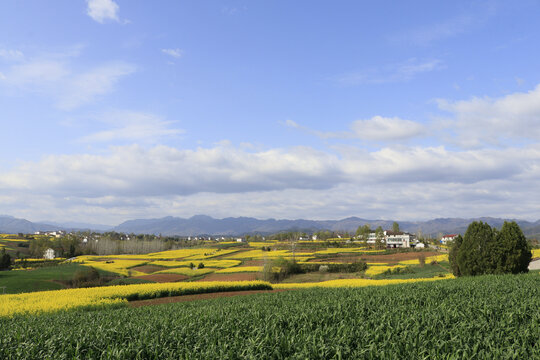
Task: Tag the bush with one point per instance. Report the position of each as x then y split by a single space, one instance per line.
201 266
84 278
323 268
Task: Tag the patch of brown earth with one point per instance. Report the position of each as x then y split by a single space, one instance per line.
230 277
162 278
148 269
184 298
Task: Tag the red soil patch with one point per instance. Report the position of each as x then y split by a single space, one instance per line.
148 269
184 298
162 278
387 258
230 277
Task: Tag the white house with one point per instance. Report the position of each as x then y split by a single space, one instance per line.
49 254
447 238
392 239
398 239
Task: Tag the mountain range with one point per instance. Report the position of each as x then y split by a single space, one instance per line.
231 226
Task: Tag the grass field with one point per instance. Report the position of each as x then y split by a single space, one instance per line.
40 279
489 317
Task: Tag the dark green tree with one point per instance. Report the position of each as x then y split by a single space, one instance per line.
484 250
5 260
478 253
453 254
514 253
395 227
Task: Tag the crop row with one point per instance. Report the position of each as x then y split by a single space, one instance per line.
489 317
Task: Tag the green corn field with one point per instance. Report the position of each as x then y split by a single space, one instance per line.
488 317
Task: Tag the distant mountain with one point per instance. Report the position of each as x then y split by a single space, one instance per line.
206 225
11 225
231 226
73 225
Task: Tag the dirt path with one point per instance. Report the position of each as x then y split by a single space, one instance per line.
534 265
184 298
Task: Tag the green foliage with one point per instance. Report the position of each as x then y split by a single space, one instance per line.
395 227
514 253
398 271
478 253
5 260
488 317
201 266
453 254
487 251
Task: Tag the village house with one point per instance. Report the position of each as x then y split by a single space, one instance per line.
446 238
393 239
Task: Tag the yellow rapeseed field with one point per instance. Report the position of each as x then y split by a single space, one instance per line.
535 253
238 269
116 266
110 296
437 258
209 263
379 269
348 250
355 283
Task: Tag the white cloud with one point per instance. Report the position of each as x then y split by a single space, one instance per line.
175 53
384 128
405 183
102 10
11 55
55 76
133 126
397 72
376 129
515 117
87 86
37 72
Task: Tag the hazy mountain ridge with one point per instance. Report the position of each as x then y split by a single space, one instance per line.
206 225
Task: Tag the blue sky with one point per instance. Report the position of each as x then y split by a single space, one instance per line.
113 110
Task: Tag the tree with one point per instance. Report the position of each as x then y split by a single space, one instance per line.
484 250
5 260
379 237
514 253
395 227
452 255
476 254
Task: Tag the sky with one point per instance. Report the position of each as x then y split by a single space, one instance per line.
113 110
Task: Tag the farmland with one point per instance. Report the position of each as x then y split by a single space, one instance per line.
493 317
227 262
